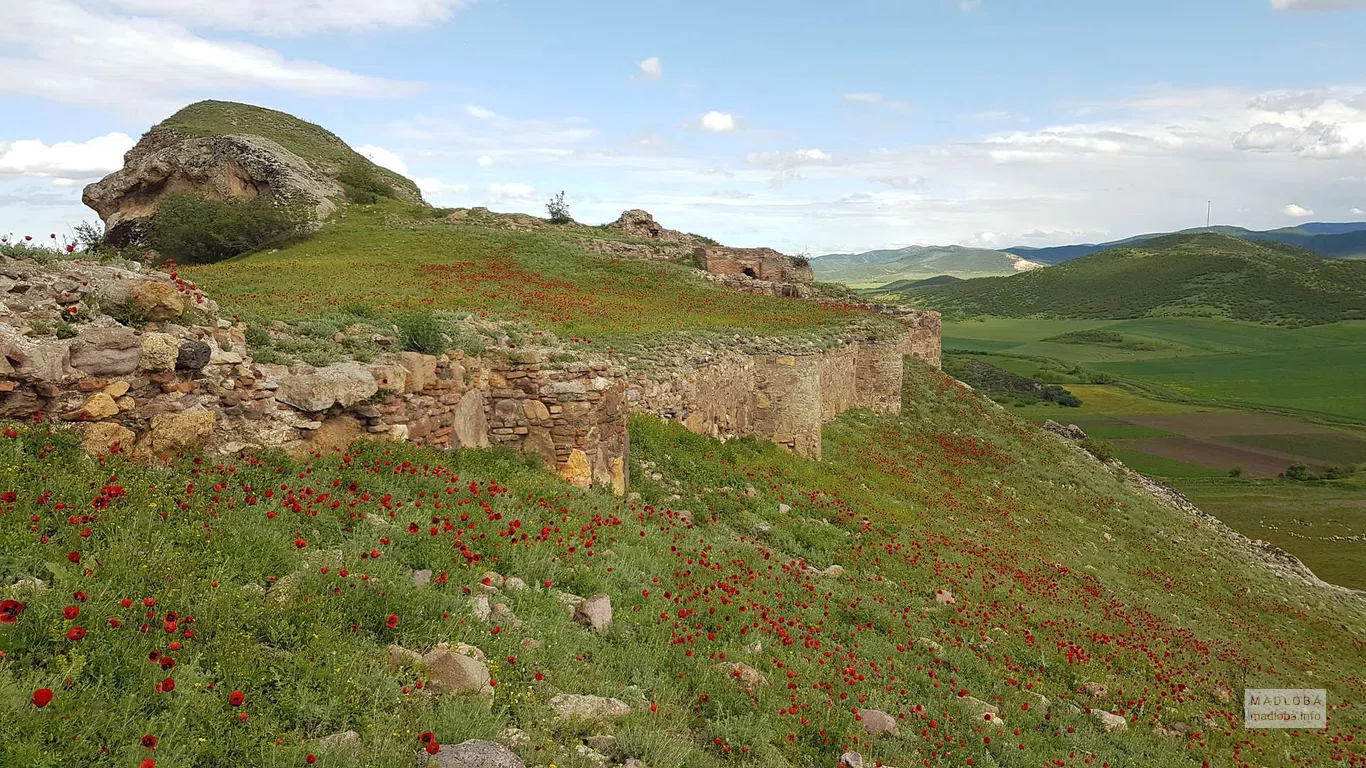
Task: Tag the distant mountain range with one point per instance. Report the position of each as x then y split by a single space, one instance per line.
875 268
1200 274
1345 240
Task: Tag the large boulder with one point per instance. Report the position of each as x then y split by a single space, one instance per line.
238 167
342 384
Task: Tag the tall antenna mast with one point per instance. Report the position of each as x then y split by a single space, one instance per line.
1209 206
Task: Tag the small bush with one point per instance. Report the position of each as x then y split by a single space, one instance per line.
191 229
1297 472
257 337
559 210
1236 471
1100 449
420 332
363 186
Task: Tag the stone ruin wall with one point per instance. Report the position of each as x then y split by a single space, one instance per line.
784 398
174 385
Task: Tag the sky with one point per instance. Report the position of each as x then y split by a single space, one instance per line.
806 126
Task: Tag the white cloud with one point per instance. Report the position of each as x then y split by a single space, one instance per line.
495 139
967 6
900 182
65 160
283 17
1316 5
1297 211
870 97
384 158
147 66
1358 212
718 122
506 192
781 160
480 113
438 191
652 68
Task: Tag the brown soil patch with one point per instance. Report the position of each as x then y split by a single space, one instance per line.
1207 453
1225 424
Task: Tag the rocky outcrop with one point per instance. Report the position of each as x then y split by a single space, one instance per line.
240 167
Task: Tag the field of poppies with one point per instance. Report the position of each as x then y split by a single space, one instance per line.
994 587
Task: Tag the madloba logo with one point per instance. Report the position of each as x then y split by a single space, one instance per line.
1285 708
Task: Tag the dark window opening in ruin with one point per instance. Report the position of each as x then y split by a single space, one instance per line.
750 271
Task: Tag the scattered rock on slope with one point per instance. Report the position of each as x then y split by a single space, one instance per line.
471 754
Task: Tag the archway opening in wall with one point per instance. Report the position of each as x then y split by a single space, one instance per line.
750 271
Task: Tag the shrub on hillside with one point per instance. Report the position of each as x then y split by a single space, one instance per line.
363 186
420 332
559 210
191 229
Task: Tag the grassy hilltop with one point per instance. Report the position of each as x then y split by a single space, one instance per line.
321 148
1192 275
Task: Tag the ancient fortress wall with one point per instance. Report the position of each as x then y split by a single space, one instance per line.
784 398
171 385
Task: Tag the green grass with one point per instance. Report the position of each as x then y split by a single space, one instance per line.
1210 275
1335 448
1299 518
1163 467
379 260
1062 576
1307 371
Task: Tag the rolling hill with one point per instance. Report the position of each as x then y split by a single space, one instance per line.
1344 240
1208 274
874 268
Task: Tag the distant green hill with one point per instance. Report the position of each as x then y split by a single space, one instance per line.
1344 240
1201 275
874 268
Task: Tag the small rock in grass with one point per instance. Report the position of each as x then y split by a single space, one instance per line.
595 613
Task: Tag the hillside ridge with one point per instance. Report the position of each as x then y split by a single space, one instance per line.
1199 275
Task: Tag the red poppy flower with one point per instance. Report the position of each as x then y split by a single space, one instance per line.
427 737
149 741
391 621
168 685
42 697
74 557
70 612
310 759
148 763
10 610
236 698
75 633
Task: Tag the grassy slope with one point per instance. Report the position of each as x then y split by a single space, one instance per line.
373 258
1204 275
320 147
876 268
957 495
